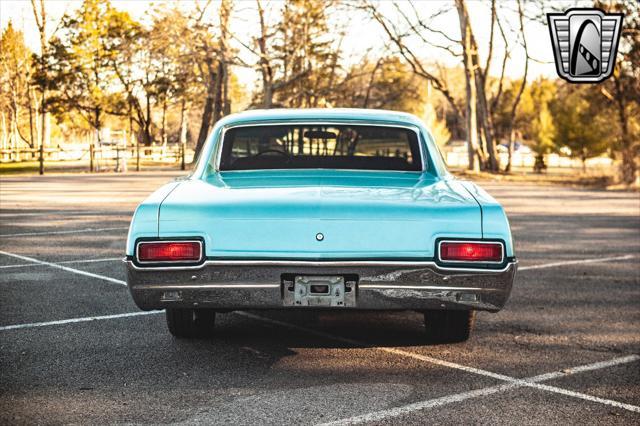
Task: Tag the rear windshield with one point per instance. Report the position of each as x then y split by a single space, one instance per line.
312 146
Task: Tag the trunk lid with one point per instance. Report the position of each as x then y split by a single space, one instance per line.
279 213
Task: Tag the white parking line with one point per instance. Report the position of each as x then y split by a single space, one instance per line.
417 406
74 231
421 405
24 265
74 320
511 381
453 365
476 393
576 262
64 268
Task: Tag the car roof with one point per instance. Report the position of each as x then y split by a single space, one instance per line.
319 114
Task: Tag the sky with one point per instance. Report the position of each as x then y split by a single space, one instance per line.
362 35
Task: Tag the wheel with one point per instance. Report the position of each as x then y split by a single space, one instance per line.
444 326
191 322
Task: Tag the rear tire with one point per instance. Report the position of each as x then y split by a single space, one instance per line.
191 323
443 326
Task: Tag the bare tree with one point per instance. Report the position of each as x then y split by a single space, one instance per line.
398 39
477 109
470 46
471 119
40 16
266 68
516 101
213 69
221 104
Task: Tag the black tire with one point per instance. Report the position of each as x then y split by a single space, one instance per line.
443 326
191 323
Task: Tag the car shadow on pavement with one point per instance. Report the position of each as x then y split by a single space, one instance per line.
325 329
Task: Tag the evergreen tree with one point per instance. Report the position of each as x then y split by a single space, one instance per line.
79 64
579 125
542 129
307 63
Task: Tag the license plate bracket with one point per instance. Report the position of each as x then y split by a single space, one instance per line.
319 291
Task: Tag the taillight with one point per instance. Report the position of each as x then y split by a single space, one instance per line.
470 252
174 251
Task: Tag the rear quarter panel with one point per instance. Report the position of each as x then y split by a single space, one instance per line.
144 222
495 223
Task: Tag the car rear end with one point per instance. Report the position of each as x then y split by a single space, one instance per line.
296 229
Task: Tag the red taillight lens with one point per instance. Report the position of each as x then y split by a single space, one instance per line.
471 252
188 251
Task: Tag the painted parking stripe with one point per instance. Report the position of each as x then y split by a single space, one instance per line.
582 368
448 364
76 320
74 231
377 416
64 268
511 380
24 265
576 262
410 408
476 393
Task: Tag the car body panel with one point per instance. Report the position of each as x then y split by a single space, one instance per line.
361 214
144 223
383 226
495 224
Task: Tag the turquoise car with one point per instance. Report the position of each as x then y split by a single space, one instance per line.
320 209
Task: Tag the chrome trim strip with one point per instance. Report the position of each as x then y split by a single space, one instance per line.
302 263
154 262
206 286
423 287
474 242
218 149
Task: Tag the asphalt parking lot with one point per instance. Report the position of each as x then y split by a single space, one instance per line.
75 349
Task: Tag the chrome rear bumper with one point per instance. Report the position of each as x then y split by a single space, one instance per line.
385 285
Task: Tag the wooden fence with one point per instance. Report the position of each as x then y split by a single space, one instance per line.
101 157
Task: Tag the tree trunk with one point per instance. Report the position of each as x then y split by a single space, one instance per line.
13 127
367 94
471 99
96 124
628 165
265 66
147 139
183 122
4 132
226 103
36 124
516 101
510 149
41 22
217 103
486 123
163 130
207 111
31 135
222 104
539 165
267 94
